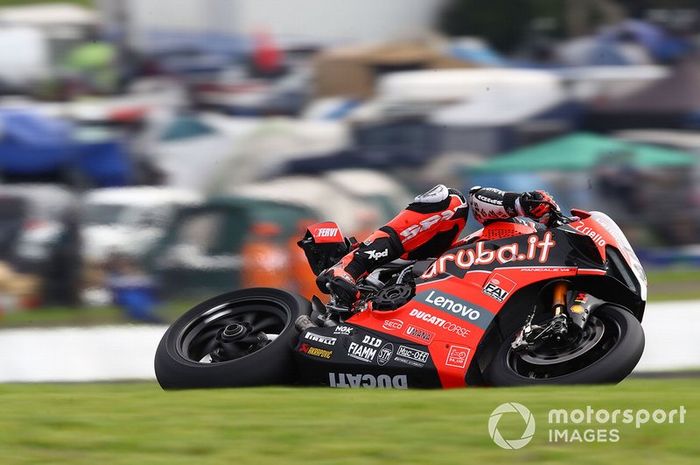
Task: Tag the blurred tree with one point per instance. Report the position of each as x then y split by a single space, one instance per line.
507 24
585 16
504 23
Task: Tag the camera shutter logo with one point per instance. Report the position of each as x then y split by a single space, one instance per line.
528 418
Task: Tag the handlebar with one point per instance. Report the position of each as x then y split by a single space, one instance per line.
556 217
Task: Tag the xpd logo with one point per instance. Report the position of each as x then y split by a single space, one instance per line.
376 255
528 418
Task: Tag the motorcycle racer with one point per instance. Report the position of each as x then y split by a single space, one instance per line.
428 227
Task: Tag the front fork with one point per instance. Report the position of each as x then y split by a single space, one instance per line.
555 328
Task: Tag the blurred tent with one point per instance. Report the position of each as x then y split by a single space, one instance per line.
103 158
672 102
630 42
645 187
35 147
656 41
597 51
273 143
676 139
583 151
601 83
31 143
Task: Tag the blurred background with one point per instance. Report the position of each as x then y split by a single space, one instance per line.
153 152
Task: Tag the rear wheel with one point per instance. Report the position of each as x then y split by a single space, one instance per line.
605 351
241 338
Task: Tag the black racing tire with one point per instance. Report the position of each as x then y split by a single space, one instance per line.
612 366
178 359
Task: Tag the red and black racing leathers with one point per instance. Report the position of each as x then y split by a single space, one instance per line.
429 226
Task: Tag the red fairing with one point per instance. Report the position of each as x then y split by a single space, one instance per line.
501 230
327 232
601 233
450 315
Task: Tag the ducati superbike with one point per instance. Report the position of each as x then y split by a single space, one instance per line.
515 303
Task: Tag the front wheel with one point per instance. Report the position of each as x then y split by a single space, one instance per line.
241 338
605 351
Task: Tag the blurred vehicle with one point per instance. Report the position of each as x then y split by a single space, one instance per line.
129 220
186 62
25 59
202 250
39 237
189 149
235 93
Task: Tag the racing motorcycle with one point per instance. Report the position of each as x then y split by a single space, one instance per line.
515 303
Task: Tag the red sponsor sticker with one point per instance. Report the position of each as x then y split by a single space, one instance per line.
419 334
393 324
326 232
457 356
499 287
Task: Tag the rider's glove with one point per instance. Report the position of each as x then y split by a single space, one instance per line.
340 284
536 205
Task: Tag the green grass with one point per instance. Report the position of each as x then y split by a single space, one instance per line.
86 316
674 284
120 424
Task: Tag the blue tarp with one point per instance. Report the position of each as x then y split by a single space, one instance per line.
106 163
32 144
